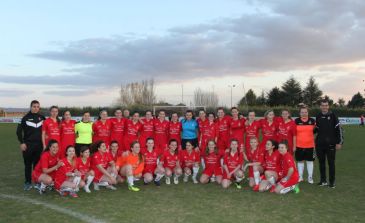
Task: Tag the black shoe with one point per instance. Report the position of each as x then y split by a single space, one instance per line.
157 183
332 185
27 186
144 183
321 184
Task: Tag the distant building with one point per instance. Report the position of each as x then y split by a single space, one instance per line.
13 112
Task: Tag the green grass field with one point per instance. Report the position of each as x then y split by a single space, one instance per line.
188 202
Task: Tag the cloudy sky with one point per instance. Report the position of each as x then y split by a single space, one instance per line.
77 53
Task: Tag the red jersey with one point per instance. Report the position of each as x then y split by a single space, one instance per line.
252 130
201 125
150 161
188 160
132 133
83 167
175 131
169 160
161 134
115 156
223 127
67 136
287 162
100 159
212 161
46 161
256 155
102 131
60 175
237 130
52 129
268 131
146 131
117 128
272 162
286 131
232 162
209 132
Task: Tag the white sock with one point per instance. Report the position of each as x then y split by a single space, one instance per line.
300 169
272 180
159 176
195 171
89 179
76 181
310 168
130 180
256 175
287 189
203 163
43 186
238 179
222 162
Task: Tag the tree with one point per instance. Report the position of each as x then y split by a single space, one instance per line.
326 97
275 97
311 93
249 99
203 98
261 100
137 93
341 102
292 92
357 101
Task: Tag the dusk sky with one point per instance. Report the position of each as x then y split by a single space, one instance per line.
78 53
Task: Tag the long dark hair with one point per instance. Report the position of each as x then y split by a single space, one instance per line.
274 143
101 111
50 143
215 147
140 156
73 160
63 114
174 140
55 107
95 146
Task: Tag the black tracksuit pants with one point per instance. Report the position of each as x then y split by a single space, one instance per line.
31 157
326 152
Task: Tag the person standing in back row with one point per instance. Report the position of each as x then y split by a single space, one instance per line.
29 132
329 139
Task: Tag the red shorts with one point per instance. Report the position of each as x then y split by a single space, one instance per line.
36 175
213 171
170 167
225 176
150 170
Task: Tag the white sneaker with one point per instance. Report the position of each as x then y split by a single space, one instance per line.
87 189
77 189
110 187
310 180
103 184
176 180
300 179
212 179
185 179
195 180
168 181
96 186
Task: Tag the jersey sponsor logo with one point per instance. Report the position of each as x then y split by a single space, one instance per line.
34 125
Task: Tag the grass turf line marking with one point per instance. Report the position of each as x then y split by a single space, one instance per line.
82 217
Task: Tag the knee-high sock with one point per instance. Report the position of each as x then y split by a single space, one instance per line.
272 180
159 176
310 168
256 175
89 179
300 169
195 171
130 180
76 181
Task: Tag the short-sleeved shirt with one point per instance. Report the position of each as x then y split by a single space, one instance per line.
305 132
189 128
84 132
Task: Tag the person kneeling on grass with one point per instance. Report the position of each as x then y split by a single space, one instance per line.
271 166
67 177
103 167
151 164
255 157
213 169
44 172
232 166
84 167
289 181
170 161
131 165
190 160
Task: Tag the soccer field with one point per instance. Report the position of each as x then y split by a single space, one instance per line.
187 202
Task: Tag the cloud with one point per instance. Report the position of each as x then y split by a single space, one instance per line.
285 37
340 85
69 92
14 93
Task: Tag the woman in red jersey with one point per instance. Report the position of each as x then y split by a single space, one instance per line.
289 176
44 172
213 169
146 130
252 128
114 151
67 177
68 135
151 164
102 129
170 161
287 130
117 127
232 166
175 129
237 128
255 158
161 129
190 162
133 131
268 127
84 167
103 167
223 125
271 166
51 127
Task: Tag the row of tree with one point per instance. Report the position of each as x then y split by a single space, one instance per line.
291 94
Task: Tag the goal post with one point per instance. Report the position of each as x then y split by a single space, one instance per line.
180 109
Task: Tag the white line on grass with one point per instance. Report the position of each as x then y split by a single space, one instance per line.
82 217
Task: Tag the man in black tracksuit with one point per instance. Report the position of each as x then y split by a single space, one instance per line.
329 139
29 134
